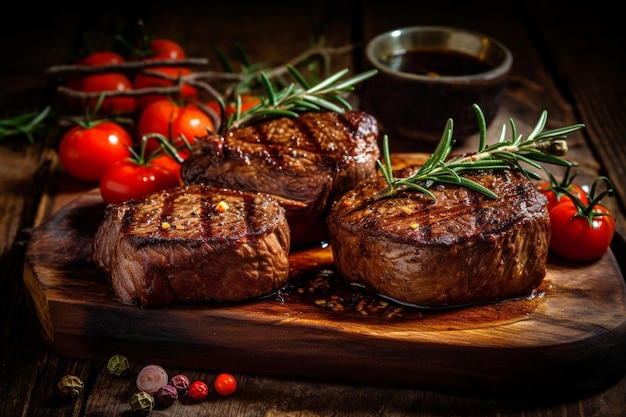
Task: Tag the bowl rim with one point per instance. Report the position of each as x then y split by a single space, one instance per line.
500 70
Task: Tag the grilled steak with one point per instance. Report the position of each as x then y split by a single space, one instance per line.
194 243
305 163
464 248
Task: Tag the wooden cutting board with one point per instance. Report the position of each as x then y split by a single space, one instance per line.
570 335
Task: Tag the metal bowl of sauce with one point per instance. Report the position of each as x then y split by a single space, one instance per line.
428 74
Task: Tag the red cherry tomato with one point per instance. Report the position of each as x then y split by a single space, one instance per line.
577 236
555 196
101 58
557 192
95 59
165 49
143 80
198 390
169 164
86 151
172 120
225 384
131 179
109 82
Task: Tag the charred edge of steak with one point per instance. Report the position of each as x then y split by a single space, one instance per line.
311 159
194 243
327 139
457 214
192 213
462 248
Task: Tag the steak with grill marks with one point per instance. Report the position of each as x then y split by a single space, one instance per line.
463 248
304 162
194 243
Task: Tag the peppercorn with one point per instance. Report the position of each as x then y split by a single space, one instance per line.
151 378
70 386
198 391
118 366
166 395
181 383
225 384
141 403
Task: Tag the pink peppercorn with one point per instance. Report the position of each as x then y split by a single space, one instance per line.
198 391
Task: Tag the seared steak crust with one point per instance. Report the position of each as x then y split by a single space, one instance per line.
462 248
305 163
194 243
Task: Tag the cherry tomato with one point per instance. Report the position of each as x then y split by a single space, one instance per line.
555 196
557 192
580 236
95 59
165 49
101 58
87 150
169 164
185 119
131 179
225 384
109 82
198 390
143 80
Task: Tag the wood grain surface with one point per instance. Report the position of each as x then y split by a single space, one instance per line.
566 60
572 331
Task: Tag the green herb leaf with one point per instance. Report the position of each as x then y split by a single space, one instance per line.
28 124
301 97
540 146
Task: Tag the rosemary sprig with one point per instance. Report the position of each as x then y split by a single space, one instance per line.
248 75
540 146
327 95
28 124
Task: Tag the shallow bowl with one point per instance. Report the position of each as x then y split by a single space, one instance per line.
428 74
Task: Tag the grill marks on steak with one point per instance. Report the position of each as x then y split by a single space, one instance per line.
178 246
305 163
463 248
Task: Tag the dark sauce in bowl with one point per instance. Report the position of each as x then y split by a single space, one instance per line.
435 62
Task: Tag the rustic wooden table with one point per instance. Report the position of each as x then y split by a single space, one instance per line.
566 61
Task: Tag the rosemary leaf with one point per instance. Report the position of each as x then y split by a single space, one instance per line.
328 82
298 76
301 97
271 95
348 85
441 168
483 164
541 123
482 129
442 150
472 185
419 188
343 102
560 132
323 103
28 124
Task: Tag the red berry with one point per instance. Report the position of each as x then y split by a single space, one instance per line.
198 391
225 384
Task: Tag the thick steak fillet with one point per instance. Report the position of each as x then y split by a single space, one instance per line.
463 248
194 243
305 163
